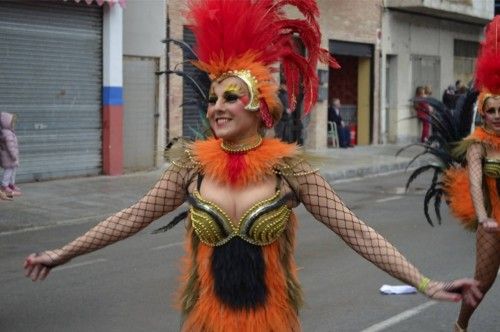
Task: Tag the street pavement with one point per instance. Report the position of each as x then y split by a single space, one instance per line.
90 199
131 285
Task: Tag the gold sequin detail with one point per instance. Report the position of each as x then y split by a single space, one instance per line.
260 225
492 167
292 173
242 147
190 163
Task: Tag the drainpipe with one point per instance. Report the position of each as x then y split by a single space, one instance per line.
167 80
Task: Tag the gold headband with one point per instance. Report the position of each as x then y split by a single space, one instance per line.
251 83
481 100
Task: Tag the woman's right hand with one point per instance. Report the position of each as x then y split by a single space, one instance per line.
490 225
466 290
38 265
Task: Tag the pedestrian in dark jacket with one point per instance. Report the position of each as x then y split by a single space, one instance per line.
449 97
285 126
335 116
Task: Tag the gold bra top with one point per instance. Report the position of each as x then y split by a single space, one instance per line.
260 225
491 167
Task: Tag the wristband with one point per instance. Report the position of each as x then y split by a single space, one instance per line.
424 283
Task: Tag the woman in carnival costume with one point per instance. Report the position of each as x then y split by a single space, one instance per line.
240 273
468 172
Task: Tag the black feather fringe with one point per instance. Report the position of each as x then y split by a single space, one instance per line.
238 268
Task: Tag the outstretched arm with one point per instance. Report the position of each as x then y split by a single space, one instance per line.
474 156
326 206
166 195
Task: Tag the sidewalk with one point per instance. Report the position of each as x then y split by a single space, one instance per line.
92 199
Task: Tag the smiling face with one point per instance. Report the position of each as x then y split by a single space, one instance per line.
492 114
226 111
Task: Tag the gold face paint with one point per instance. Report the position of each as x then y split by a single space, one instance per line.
235 89
251 83
231 93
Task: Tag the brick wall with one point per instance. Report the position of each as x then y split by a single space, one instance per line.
174 97
354 21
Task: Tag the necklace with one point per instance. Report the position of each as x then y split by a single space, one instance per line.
243 147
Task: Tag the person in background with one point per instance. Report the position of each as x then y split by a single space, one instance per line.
9 155
423 110
284 128
428 90
449 97
460 95
3 196
335 116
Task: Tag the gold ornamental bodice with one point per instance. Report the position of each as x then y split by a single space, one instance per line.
491 167
260 225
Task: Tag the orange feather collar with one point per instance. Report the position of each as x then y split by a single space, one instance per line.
485 137
239 169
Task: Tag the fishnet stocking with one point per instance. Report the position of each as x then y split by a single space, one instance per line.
475 154
487 264
487 244
166 195
326 206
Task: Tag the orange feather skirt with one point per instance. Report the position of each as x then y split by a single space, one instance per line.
204 312
459 198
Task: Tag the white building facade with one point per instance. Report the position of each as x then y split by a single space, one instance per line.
425 42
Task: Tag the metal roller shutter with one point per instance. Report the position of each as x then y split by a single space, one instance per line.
51 78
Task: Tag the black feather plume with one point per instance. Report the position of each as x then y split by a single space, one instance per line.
419 171
448 128
178 218
195 79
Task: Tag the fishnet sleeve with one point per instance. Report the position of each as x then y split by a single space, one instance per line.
166 195
327 207
475 154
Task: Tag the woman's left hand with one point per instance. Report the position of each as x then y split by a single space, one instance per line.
458 290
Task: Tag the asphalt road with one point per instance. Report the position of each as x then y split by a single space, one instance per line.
130 286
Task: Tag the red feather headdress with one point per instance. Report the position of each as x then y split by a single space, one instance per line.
244 38
488 64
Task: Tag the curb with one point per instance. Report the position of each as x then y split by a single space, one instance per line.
333 173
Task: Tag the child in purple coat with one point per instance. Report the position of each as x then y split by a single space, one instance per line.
9 154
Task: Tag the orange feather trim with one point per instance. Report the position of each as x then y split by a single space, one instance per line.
459 198
456 187
256 164
485 137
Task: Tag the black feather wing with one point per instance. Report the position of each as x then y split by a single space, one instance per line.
448 127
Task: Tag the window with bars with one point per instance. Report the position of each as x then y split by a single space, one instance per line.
464 58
